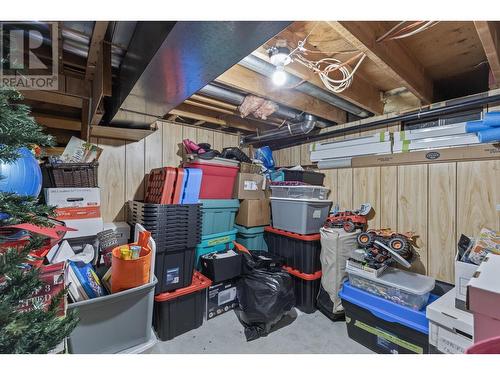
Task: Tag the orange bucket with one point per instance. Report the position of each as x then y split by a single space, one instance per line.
127 274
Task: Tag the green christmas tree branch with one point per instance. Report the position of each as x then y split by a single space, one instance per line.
24 209
17 127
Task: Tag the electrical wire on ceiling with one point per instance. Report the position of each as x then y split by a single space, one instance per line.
336 75
402 30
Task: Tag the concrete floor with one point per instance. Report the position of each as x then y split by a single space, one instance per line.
309 333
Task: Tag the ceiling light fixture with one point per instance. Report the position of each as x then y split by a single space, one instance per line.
279 76
279 55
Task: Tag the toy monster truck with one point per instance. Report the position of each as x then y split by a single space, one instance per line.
349 220
382 244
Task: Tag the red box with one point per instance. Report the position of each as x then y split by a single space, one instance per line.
217 181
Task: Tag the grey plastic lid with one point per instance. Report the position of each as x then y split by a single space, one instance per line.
190 158
410 282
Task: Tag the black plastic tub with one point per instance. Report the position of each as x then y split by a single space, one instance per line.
173 268
306 287
181 311
312 178
300 252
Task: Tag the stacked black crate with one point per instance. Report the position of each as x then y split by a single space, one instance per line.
176 229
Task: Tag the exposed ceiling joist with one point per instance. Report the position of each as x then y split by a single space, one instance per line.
361 92
98 35
223 120
120 133
389 55
256 84
489 34
53 97
215 102
56 122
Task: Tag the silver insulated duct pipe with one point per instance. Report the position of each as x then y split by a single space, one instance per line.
267 69
291 129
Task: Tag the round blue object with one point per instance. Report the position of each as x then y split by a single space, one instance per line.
23 176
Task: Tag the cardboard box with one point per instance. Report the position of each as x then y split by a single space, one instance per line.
463 273
254 213
221 298
79 208
249 186
451 330
483 298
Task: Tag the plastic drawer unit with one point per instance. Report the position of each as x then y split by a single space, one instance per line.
300 252
384 326
252 238
299 191
218 215
214 243
405 288
302 216
181 311
306 288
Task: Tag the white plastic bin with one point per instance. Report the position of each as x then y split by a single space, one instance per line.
299 192
116 322
405 288
302 216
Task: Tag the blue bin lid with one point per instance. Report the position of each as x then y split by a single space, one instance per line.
387 310
251 230
220 203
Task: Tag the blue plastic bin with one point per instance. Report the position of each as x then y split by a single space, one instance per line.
384 326
252 238
218 215
214 243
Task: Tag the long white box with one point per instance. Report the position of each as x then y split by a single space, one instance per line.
378 137
437 131
451 331
429 143
358 150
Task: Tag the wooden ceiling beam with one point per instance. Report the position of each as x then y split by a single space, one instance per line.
57 122
98 35
53 97
361 92
489 34
208 106
389 55
223 120
256 84
214 102
120 133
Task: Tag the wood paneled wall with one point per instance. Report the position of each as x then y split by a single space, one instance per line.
437 201
124 165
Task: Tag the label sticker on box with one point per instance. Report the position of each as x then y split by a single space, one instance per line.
316 214
226 296
173 276
250 185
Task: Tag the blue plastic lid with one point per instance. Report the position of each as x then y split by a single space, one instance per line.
387 310
250 230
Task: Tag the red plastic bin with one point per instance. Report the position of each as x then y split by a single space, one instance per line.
217 181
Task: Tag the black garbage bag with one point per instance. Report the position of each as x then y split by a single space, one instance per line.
265 297
259 259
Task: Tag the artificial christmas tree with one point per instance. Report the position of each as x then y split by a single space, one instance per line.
42 325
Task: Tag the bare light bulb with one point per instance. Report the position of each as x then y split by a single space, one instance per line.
279 76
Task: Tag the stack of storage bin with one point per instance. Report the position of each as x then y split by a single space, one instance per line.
176 229
387 313
298 212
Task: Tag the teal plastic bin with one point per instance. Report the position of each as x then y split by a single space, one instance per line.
218 215
214 243
252 238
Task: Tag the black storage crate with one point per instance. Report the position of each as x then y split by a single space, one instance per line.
181 311
306 287
221 269
300 252
173 268
312 178
325 306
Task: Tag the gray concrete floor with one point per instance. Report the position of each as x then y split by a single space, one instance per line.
309 333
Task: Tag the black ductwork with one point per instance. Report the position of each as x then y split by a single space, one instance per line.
167 62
